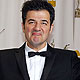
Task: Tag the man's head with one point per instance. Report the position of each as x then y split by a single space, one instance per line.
38 5
37 22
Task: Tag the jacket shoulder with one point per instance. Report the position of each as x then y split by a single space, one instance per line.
61 51
7 51
12 50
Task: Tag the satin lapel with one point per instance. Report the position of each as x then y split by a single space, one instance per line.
48 63
20 56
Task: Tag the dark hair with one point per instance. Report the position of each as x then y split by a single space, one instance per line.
38 5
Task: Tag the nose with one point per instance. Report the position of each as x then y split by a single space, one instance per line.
37 26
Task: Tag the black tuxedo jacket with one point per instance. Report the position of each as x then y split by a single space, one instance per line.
60 65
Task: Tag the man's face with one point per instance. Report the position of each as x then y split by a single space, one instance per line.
37 27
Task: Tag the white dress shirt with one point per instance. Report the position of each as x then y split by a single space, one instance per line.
35 64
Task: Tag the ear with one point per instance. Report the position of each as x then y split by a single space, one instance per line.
51 28
23 27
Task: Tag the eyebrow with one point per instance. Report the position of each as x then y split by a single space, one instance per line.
31 20
34 20
44 21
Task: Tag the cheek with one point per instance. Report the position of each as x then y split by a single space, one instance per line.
46 31
28 30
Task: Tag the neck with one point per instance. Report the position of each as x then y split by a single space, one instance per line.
38 47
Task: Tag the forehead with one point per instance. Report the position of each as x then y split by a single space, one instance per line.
38 14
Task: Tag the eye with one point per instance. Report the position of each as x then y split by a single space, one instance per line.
31 22
44 23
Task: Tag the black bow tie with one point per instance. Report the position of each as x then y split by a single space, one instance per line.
44 54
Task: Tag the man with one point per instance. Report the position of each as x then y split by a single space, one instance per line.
36 60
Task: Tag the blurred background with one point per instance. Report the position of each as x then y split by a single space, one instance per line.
66 32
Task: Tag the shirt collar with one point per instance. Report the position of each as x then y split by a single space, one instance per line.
28 49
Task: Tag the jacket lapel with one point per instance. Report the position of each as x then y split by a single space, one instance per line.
48 63
20 56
